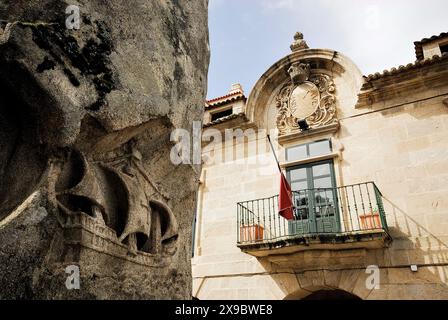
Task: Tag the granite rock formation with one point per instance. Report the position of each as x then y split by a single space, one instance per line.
85 121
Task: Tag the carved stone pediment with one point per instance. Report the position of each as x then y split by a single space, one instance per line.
306 96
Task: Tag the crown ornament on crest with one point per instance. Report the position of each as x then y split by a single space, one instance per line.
299 72
299 43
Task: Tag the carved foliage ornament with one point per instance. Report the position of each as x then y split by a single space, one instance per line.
306 96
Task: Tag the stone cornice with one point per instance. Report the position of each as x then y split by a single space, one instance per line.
232 122
308 133
419 44
239 117
422 75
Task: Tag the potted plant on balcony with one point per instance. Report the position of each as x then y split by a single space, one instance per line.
251 232
370 220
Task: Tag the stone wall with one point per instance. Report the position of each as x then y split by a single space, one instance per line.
86 178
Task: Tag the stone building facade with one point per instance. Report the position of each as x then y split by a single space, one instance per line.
367 160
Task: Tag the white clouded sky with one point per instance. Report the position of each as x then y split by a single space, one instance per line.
248 36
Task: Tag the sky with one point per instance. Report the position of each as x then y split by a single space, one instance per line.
248 36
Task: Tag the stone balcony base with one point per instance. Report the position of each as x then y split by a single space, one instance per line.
371 239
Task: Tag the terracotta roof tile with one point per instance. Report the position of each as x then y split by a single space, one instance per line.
418 44
222 99
417 64
224 119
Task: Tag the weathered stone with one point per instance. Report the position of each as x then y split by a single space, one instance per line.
311 280
85 121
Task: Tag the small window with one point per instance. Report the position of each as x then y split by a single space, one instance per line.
319 148
312 149
222 114
444 48
297 152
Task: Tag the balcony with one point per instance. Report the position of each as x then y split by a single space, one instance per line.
339 218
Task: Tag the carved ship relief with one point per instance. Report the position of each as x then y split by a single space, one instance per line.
112 206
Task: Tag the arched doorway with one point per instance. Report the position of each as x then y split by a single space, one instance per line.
322 293
331 295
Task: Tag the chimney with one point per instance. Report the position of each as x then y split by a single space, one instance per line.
236 88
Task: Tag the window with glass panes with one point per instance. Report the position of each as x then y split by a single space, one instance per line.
313 185
308 150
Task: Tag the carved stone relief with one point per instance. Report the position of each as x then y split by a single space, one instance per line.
86 177
115 199
306 96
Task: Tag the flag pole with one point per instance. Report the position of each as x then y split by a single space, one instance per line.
273 152
286 206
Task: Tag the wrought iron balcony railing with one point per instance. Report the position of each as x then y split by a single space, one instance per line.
352 209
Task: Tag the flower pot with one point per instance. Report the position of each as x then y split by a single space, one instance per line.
251 233
370 221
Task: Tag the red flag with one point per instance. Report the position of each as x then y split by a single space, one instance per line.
285 199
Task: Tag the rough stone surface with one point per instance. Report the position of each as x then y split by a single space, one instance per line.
85 123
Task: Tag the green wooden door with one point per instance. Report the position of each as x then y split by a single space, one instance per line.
315 198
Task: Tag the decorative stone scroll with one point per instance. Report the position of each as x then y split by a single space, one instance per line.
306 96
